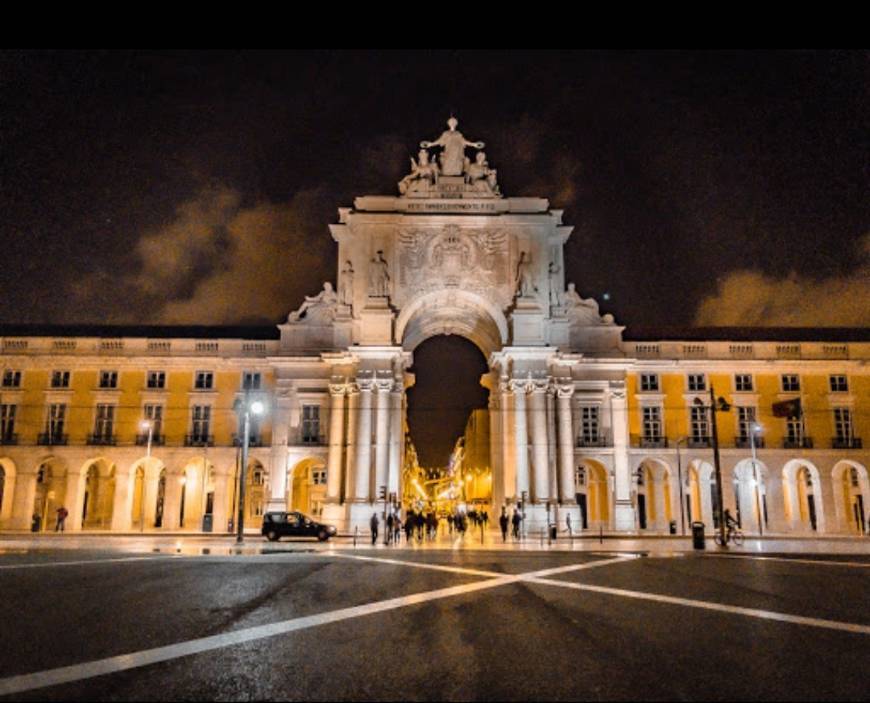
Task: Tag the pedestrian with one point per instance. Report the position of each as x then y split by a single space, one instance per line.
409 526
568 525
397 530
450 523
373 523
389 533
503 524
62 512
515 524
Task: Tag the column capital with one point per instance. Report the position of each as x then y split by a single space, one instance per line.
338 385
563 387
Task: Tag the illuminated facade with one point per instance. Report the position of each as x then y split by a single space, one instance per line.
583 419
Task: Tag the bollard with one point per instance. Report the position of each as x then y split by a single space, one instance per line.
542 538
600 534
355 535
481 532
549 538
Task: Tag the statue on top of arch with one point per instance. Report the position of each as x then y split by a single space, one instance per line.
452 162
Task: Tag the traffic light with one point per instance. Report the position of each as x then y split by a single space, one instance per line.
382 493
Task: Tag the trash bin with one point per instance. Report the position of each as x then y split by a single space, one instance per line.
36 524
552 532
207 522
698 535
673 527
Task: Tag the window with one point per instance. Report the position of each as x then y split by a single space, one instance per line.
7 422
649 382
108 379
698 423
156 379
11 379
843 424
154 415
318 477
251 381
54 425
791 382
588 425
652 422
104 424
794 432
310 424
743 382
60 379
580 476
697 382
204 381
200 423
839 384
853 477
745 422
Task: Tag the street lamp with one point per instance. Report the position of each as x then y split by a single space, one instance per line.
680 441
722 406
247 407
753 428
149 426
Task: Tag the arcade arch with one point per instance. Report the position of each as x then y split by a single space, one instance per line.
7 489
306 486
749 481
591 486
802 493
701 500
851 496
653 494
97 490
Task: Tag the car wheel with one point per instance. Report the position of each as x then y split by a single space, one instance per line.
323 535
272 536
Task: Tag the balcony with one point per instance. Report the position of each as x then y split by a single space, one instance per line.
699 442
199 440
52 439
653 442
746 443
157 439
846 443
313 440
102 440
254 440
9 438
599 440
797 443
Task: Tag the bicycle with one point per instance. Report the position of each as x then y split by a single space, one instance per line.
734 535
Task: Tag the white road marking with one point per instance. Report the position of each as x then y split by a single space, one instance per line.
822 562
708 605
78 672
47 564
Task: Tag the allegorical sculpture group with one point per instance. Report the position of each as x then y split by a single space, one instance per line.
452 162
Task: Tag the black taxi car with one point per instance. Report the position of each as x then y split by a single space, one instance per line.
280 524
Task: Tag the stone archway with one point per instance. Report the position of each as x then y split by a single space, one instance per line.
701 502
593 494
851 496
802 494
306 486
8 476
750 480
655 494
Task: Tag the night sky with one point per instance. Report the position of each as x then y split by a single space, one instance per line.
705 188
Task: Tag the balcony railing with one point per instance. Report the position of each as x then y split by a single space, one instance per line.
699 442
600 440
9 438
654 442
106 440
746 443
199 440
797 443
846 443
156 439
52 439
311 439
254 440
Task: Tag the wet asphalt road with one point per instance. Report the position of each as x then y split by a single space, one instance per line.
515 640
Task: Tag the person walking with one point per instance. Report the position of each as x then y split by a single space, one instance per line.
503 524
373 523
515 524
388 535
568 525
62 512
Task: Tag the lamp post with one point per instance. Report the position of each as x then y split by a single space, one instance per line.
145 425
246 407
722 406
753 428
680 479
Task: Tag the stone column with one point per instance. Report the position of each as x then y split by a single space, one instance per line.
22 505
566 444
362 464
552 449
349 486
521 436
172 501
74 498
495 459
6 509
382 435
336 442
277 456
222 487
149 493
660 485
122 503
538 407
622 507
507 422
396 433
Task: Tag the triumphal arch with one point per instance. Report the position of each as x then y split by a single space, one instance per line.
451 254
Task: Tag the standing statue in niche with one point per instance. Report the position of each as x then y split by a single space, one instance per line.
453 144
345 288
525 280
379 276
553 273
424 173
